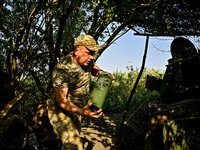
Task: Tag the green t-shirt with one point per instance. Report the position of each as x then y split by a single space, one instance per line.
68 74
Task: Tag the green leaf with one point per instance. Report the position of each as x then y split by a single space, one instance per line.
8 38
168 26
166 20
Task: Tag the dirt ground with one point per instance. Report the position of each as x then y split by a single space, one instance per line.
100 134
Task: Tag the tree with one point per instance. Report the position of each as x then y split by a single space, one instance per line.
169 18
36 34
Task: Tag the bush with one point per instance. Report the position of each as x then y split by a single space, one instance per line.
120 90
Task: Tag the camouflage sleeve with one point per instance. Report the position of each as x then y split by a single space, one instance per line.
60 76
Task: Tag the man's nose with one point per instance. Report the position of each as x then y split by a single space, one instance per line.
91 57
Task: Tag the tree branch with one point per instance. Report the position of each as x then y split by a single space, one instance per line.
94 23
134 87
18 42
129 19
70 23
61 28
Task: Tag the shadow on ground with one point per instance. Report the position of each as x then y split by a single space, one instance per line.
100 134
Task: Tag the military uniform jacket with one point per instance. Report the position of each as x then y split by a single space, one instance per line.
68 74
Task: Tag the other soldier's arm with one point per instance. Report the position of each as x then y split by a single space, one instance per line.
61 94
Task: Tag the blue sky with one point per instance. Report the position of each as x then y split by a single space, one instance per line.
129 49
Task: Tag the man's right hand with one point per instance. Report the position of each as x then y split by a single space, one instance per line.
87 112
69 106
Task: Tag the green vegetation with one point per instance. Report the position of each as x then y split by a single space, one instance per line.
37 34
120 90
118 94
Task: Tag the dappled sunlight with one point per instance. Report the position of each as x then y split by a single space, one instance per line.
176 123
66 125
100 133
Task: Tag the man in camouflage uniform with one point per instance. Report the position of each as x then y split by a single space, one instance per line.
71 79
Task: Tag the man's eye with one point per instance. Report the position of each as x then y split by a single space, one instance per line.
90 54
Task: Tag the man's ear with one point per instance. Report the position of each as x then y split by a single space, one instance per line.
76 50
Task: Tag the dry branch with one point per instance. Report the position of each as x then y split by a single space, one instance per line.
134 87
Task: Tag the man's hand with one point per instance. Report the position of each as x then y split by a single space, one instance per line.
69 106
97 71
87 112
113 79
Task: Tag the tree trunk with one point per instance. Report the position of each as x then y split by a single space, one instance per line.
40 122
6 91
13 127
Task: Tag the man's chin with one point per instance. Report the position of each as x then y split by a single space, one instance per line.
85 64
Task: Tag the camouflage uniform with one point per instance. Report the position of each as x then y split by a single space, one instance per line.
67 125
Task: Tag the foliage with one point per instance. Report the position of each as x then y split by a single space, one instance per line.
36 34
169 17
120 90
133 134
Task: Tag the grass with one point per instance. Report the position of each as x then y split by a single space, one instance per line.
120 90
133 134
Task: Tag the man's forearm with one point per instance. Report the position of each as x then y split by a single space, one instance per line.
64 103
96 70
85 111
69 106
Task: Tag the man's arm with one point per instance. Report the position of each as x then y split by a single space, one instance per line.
96 70
67 105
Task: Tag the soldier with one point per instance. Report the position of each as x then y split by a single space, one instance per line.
71 77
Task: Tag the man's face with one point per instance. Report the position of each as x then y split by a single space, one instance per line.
83 56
